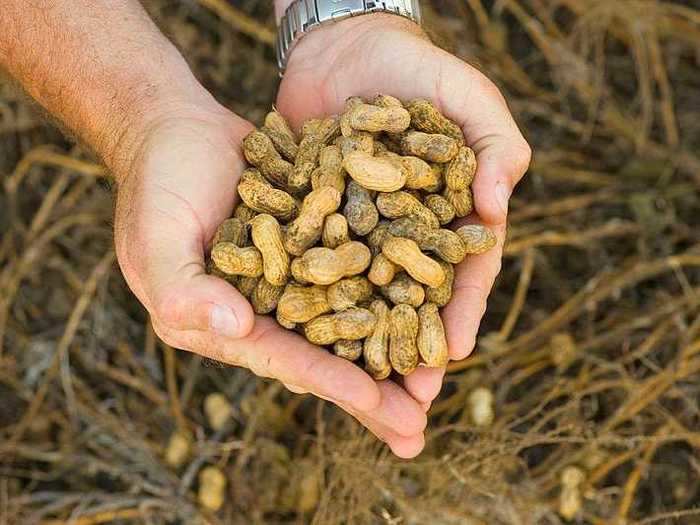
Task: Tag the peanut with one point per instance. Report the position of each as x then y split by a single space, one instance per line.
359 141
309 149
267 237
481 406
335 231
461 201
330 170
445 243
282 136
405 253
300 304
426 117
306 229
442 294
231 230
374 173
377 236
178 449
233 260
477 239
419 174
367 117
460 171
243 213
359 210
442 209
265 296
212 488
376 346
259 195
386 101
349 292
382 270
431 147
326 266
217 410
403 330
346 129
348 349
284 322
261 153
404 290
402 204
431 340
354 324
246 285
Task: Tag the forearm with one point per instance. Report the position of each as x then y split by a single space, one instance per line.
101 67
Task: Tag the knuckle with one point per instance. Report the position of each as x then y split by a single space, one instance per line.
522 158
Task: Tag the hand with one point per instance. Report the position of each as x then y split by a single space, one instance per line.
174 191
382 53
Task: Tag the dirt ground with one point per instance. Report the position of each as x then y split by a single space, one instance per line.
591 343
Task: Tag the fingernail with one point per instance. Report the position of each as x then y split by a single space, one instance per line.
223 321
503 196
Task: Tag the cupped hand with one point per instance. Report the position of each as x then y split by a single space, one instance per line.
174 189
381 53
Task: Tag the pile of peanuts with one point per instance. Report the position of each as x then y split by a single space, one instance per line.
343 232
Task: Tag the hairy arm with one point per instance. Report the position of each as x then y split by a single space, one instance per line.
101 67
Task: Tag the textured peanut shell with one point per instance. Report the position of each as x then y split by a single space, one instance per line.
461 201
426 117
348 349
306 229
405 253
431 340
442 294
265 297
376 345
281 134
325 266
300 304
404 290
376 237
354 324
284 322
360 210
246 285
427 146
212 488
374 173
386 101
267 237
335 231
460 171
477 239
402 204
381 271
243 213
445 243
346 129
361 141
330 170
403 330
260 196
442 209
349 292
261 153
231 230
419 174
368 117
309 150
233 260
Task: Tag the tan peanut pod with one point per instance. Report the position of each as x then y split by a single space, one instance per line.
403 330
276 121
309 150
217 410
260 196
353 324
247 285
325 266
461 201
233 260
243 213
284 322
212 488
445 243
386 101
261 153
379 149
231 230
310 126
359 210
476 238
335 231
402 204
267 237
281 134
374 173
426 117
330 170
405 253
438 170
349 292
367 117
361 141
382 270
178 448
431 340
460 171
427 146
442 209
265 297
306 229
348 349
442 294
404 290
346 129
376 237
376 346
300 304
419 174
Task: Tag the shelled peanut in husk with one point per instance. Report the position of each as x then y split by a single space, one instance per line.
343 233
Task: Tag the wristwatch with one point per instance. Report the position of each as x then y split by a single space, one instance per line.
303 16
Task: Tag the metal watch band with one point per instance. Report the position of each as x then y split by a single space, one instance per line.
304 15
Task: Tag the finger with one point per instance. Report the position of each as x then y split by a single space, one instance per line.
474 278
405 447
424 383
